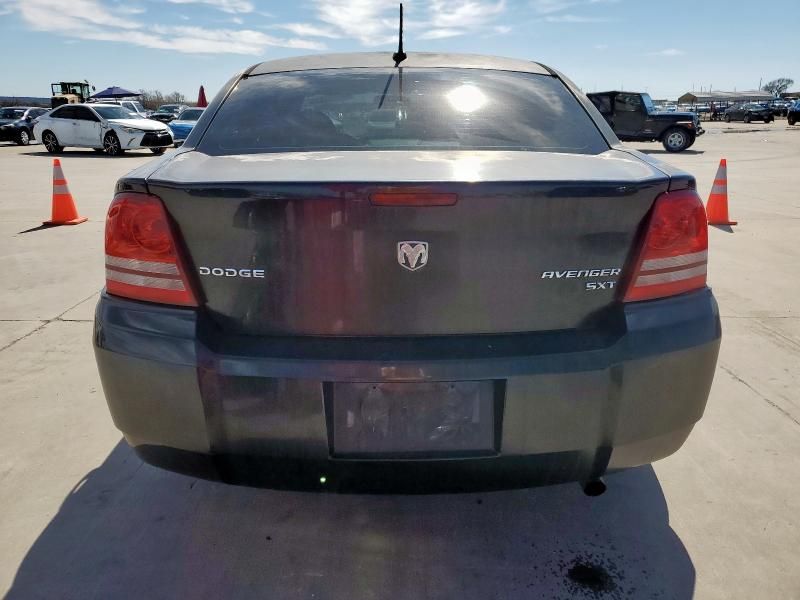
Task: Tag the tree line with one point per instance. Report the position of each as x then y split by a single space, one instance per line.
152 99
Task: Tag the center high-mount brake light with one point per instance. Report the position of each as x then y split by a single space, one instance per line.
413 198
674 254
142 259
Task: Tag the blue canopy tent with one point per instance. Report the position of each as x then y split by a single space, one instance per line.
115 92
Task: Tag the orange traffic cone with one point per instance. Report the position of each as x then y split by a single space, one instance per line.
64 212
717 207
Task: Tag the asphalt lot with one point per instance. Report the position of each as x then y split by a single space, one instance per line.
82 517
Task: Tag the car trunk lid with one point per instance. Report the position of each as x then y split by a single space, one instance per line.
292 244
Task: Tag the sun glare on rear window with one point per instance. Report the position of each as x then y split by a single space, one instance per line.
401 109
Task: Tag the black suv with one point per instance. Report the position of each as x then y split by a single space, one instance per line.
634 118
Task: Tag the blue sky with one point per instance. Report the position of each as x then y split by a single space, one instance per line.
664 47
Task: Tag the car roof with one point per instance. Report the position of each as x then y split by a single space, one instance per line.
614 92
88 105
20 107
357 60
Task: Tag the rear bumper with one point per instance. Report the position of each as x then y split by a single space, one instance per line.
257 411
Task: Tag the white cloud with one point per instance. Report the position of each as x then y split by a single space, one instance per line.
70 15
668 52
367 21
92 20
307 29
375 22
233 41
544 7
570 18
549 7
464 13
438 34
228 6
130 10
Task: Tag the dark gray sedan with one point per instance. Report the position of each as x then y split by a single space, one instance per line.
749 112
444 276
16 123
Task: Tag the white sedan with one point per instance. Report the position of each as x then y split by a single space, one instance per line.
106 128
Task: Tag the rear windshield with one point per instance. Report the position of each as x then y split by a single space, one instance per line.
12 113
191 114
371 109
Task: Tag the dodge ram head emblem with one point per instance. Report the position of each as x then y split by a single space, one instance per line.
412 255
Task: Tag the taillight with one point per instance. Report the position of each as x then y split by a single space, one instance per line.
674 253
142 259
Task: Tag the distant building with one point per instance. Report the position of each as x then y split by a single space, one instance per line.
725 97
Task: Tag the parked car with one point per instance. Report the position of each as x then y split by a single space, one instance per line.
133 106
184 122
167 112
749 112
106 128
16 123
793 113
634 118
718 110
779 107
491 292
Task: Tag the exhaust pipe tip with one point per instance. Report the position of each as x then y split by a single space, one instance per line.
594 487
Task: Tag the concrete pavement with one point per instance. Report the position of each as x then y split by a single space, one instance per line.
82 517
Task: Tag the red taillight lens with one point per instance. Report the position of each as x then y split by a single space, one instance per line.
142 260
413 198
674 254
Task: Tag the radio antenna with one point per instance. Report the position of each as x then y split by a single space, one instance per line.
400 56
